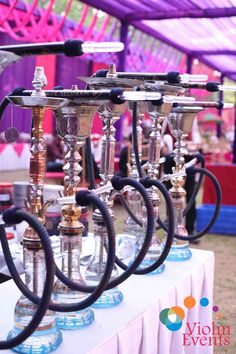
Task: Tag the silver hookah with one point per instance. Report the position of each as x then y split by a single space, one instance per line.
157 114
73 124
180 121
109 114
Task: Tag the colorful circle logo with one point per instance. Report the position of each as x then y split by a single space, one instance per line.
172 318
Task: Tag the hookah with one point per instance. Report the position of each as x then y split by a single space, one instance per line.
181 121
108 115
73 125
46 336
108 78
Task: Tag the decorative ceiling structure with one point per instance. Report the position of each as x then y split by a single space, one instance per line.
202 29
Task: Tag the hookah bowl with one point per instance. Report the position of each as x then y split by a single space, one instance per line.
180 121
73 124
47 337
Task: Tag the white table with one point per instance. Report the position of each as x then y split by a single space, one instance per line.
14 156
134 327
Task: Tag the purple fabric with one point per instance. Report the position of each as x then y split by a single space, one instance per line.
18 74
213 26
69 69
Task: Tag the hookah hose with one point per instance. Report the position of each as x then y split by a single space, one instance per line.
15 216
89 164
18 91
147 183
83 198
192 170
200 158
119 183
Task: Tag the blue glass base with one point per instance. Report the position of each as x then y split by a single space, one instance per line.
179 253
40 342
74 320
109 298
147 262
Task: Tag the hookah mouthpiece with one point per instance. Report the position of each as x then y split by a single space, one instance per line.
227 88
191 77
71 48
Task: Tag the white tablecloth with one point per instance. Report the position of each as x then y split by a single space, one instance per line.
11 160
134 327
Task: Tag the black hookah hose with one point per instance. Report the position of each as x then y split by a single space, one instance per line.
15 216
192 170
118 184
83 198
18 91
147 183
200 158
89 163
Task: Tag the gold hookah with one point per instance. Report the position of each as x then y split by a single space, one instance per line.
33 255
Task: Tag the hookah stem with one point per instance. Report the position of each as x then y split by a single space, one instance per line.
154 151
135 147
35 269
135 139
69 189
37 160
37 172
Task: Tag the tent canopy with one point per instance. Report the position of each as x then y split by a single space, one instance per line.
210 37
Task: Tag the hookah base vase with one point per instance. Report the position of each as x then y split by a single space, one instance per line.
109 298
40 342
179 253
75 320
147 262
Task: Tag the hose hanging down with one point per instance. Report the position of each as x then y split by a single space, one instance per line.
15 216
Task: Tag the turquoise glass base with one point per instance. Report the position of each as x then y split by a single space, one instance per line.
75 320
147 262
179 253
40 342
109 298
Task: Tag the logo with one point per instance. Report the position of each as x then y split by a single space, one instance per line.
214 334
